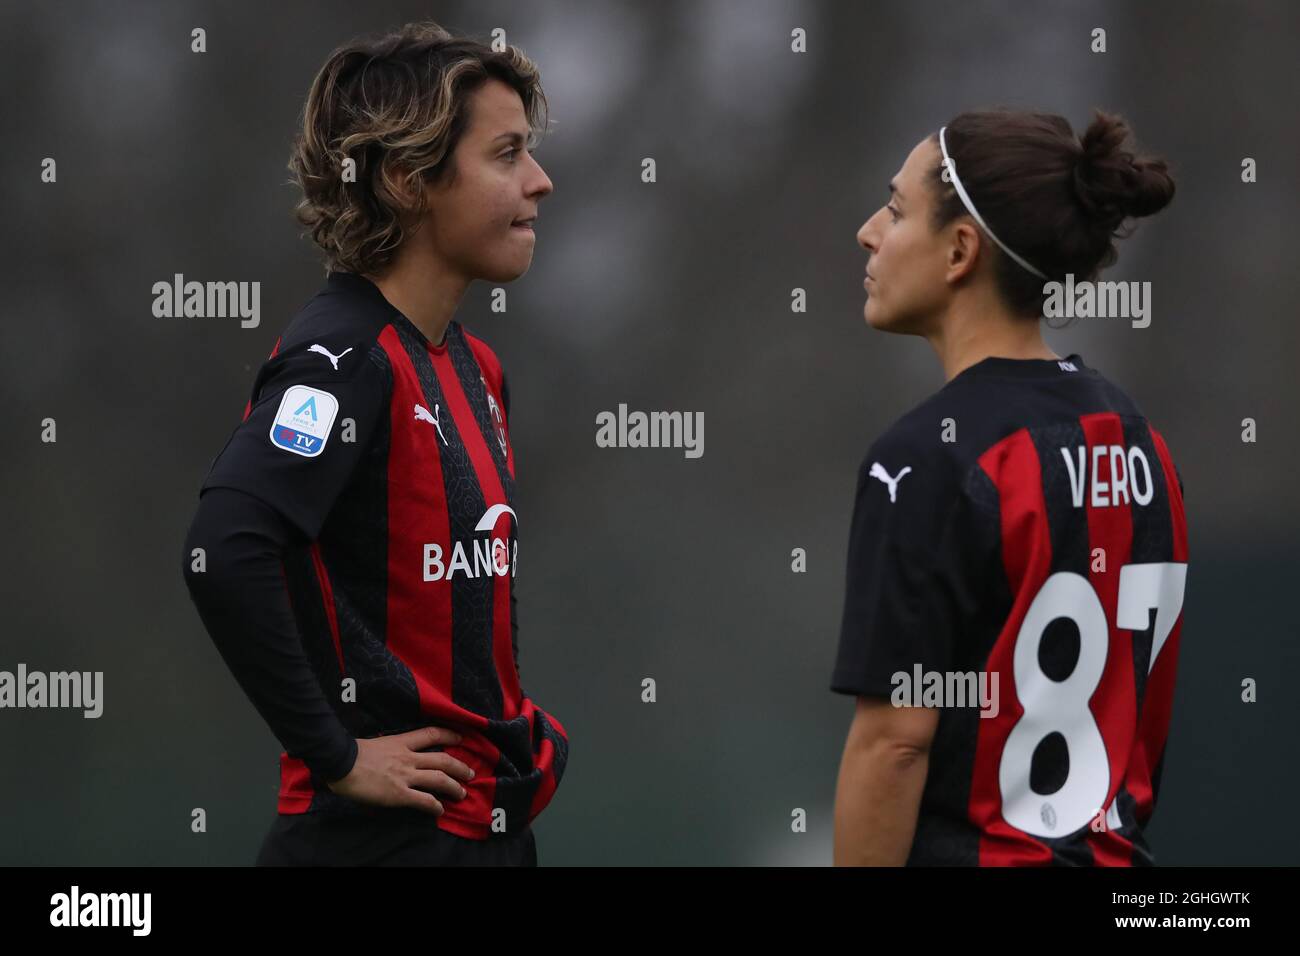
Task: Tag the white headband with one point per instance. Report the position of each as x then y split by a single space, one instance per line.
970 206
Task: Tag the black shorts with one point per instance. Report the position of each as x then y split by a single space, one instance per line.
393 839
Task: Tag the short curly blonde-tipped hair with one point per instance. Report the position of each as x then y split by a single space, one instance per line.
397 106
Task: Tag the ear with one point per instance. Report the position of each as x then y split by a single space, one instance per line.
396 182
963 250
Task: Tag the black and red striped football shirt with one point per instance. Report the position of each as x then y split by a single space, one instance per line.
1024 523
392 456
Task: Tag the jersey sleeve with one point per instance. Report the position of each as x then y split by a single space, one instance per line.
912 572
241 598
313 413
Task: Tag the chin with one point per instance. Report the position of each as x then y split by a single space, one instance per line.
504 273
892 322
875 318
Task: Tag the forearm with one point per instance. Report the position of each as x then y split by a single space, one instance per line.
877 800
242 600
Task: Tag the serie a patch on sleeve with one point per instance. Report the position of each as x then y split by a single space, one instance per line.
304 420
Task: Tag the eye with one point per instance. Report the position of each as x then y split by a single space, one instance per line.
894 214
509 154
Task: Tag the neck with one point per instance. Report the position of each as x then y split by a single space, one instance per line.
972 331
426 293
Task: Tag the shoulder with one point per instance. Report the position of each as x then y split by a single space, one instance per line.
1116 398
925 442
958 424
922 476
331 339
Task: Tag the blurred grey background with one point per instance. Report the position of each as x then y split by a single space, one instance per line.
676 296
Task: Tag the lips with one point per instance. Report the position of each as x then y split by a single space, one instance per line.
524 223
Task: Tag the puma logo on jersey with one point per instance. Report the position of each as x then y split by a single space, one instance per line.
878 471
334 359
422 415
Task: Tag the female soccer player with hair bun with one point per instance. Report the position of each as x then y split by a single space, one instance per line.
1018 548
359 527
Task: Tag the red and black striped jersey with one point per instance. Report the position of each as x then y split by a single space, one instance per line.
392 456
1018 555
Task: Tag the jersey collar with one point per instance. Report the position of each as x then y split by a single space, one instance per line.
997 367
349 283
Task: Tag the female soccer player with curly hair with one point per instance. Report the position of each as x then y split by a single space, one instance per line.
1018 547
354 549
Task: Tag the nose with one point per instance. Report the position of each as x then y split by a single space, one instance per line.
539 184
868 235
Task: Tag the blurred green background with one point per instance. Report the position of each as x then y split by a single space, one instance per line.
634 563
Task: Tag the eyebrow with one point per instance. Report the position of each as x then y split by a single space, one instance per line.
513 136
893 190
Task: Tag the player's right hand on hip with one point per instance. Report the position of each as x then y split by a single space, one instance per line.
394 772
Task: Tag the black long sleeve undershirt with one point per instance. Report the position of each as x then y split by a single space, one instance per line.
244 604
